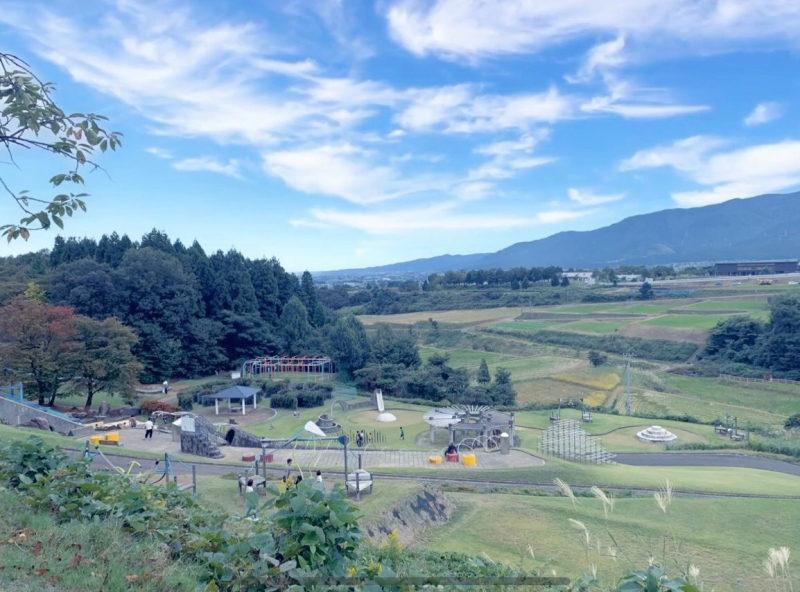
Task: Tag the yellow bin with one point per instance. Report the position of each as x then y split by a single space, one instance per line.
112 437
95 440
435 460
468 460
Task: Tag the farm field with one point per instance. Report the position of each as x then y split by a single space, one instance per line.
778 398
504 526
686 321
465 358
525 325
734 305
599 327
443 316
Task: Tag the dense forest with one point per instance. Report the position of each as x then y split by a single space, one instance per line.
194 313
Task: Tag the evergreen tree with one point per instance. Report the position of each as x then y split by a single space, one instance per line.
348 344
263 275
483 373
294 327
307 293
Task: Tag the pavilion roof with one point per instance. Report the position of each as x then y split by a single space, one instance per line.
235 392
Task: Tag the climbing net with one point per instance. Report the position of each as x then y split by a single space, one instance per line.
565 439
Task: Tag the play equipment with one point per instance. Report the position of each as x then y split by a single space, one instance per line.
656 435
435 460
481 425
313 367
386 417
566 439
379 400
469 460
168 474
90 454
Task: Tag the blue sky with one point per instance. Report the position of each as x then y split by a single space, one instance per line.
341 133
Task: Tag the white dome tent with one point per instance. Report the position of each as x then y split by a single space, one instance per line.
656 435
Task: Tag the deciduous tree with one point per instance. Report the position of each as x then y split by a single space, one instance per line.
39 342
30 119
102 359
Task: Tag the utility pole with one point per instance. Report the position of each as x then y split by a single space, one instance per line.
628 384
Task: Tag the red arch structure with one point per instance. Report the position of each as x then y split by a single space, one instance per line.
315 366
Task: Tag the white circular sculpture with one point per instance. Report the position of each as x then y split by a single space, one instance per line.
656 435
385 417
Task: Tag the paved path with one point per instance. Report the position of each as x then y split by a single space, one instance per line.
666 459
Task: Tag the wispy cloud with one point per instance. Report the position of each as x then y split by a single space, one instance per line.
443 217
346 171
745 172
207 164
589 198
764 113
159 152
474 29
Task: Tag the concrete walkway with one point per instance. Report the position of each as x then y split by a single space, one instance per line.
689 459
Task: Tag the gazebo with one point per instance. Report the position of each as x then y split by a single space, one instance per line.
235 393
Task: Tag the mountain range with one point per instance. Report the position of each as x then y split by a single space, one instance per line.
757 228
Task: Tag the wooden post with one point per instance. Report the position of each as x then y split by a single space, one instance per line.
194 479
358 483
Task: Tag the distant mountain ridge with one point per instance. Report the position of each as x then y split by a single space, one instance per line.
757 228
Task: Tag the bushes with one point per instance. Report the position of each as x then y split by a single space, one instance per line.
151 406
310 399
185 402
286 400
793 422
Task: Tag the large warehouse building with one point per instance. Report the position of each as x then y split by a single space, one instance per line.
756 267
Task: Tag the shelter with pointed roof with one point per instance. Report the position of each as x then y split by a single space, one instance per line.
235 393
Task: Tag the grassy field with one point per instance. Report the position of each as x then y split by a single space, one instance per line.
775 397
687 321
525 325
465 358
733 305
715 535
480 315
600 327
40 554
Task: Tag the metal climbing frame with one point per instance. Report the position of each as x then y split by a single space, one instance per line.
312 366
565 439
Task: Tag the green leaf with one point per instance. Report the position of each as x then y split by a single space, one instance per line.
58 222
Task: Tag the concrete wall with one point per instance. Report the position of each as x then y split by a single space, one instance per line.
16 413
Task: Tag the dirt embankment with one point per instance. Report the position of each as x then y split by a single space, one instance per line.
412 516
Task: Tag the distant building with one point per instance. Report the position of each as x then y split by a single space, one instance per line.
756 267
587 277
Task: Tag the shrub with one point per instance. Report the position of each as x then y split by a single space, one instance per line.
185 402
310 399
283 401
793 422
152 405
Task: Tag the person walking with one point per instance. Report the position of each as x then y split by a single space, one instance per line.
148 429
402 434
369 437
319 476
251 497
288 470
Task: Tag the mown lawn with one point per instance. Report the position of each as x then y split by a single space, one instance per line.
716 535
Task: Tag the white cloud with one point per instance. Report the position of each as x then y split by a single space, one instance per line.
510 157
460 109
475 191
600 57
764 113
159 152
345 171
741 173
209 165
476 29
588 198
443 217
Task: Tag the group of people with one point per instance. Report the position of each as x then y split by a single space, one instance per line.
363 439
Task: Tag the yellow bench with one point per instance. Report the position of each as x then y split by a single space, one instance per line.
112 437
468 460
435 460
95 440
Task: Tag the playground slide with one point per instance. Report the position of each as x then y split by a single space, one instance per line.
379 397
